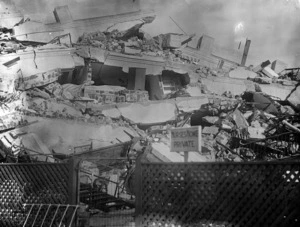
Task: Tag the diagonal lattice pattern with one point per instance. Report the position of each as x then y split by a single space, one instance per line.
225 194
30 184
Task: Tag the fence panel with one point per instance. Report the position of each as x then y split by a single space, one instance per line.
34 183
219 194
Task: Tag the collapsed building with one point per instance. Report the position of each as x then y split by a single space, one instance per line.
104 90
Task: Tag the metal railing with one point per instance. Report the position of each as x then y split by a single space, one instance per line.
50 214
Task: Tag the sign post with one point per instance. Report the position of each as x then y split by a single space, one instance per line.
186 140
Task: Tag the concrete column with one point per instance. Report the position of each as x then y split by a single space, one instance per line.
136 79
245 54
131 79
62 14
154 88
70 76
205 45
140 79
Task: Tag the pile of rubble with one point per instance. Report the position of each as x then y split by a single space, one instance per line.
43 118
232 124
251 127
233 118
132 41
135 41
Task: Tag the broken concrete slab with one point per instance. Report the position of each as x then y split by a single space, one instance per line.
92 53
129 50
239 119
191 104
294 97
154 65
34 146
38 80
75 90
114 113
195 91
11 141
123 26
287 110
27 31
134 30
131 32
172 40
213 130
35 92
256 132
278 66
54 132
276 90
53 88
39 61
221 85
269 72
9 120
223 137
148 113
7 86
261 66
66 95
242 73
260 101
50 108
263 80
211 119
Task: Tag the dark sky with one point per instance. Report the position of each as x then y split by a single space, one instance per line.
272 25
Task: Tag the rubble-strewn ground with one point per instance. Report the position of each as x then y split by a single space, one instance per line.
47 110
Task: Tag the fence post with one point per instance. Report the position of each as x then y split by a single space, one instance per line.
138 191
73 184
138 177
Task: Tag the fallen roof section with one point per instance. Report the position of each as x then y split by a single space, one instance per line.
39 32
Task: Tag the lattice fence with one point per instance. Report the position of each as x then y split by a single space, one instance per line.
30 184
219 194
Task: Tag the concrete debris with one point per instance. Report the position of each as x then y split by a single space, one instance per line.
115 94
190 104
220 85
134 41
239 119
236 129
149 114
38 80
256 132
260 101
263 80
213 130
35 92
269 72
294 97
261 66
278 66
76 91
171 40
211 120
133 51
242 73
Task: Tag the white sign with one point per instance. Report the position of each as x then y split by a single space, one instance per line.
186 139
